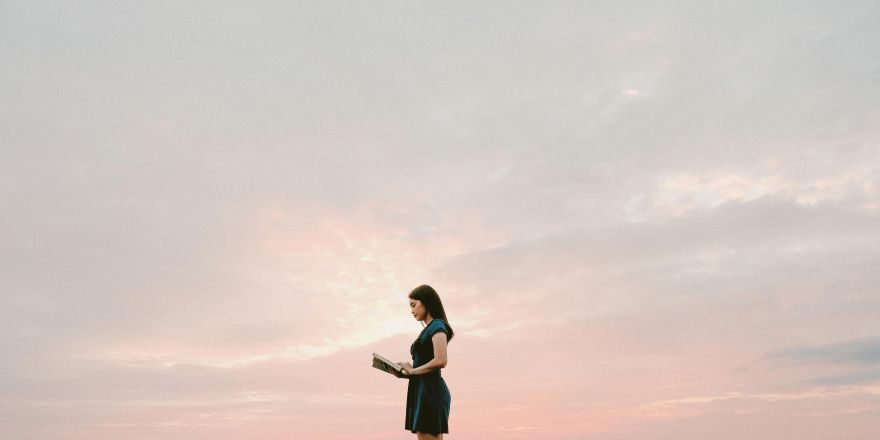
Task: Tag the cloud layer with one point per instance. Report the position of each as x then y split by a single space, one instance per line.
646 221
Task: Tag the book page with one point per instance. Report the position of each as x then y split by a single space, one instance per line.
382 363
387 361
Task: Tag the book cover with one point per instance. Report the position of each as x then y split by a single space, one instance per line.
382 363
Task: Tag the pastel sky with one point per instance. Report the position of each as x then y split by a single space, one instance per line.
647 220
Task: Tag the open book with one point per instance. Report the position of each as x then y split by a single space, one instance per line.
382 363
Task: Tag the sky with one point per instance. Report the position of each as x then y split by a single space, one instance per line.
646 220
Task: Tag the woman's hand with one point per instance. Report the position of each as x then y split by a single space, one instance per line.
407 367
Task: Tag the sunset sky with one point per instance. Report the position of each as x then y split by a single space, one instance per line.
646 220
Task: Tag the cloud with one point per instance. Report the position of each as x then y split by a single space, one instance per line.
855 378
740 401
213 213
861 351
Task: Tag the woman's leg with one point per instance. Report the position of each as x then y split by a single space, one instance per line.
423 436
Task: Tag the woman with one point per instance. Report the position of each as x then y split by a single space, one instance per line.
427 398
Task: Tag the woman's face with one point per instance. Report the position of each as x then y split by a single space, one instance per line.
418 310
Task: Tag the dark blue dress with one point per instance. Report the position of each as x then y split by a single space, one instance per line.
427 398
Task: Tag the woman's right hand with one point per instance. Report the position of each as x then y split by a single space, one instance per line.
406 367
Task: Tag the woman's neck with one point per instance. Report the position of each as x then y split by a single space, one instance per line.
429 319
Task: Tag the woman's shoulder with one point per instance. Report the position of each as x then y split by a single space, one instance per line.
437 325
433 327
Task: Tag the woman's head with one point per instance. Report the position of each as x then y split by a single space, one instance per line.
425 301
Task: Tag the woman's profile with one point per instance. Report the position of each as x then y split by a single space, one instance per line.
427 397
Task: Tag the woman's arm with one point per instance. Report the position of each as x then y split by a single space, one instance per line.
439 361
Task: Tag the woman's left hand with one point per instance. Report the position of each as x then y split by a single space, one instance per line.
407 367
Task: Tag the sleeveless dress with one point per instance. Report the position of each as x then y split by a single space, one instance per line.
427 397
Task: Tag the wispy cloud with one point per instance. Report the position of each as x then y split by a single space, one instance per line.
654 222
859 351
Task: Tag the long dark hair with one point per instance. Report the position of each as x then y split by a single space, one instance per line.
429 297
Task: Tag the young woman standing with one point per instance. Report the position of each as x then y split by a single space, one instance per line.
427 397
